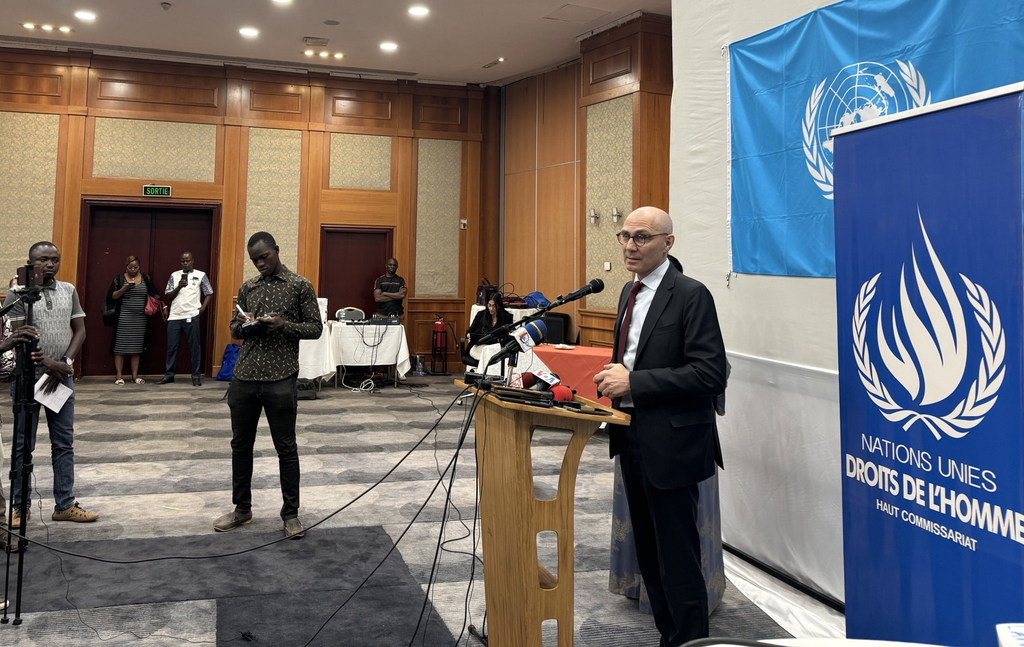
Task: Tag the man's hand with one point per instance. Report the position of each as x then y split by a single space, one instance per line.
56 371
269 322
613 381
24 334
183 283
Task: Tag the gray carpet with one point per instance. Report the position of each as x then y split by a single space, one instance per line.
154 462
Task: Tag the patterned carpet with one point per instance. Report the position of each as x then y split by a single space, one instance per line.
154 462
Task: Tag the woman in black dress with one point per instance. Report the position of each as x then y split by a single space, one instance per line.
486 321
127 296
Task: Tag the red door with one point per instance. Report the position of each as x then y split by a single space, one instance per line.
351 259
157 234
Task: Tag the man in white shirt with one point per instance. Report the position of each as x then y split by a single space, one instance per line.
190 293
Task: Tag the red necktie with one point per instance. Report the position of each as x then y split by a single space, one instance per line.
620 349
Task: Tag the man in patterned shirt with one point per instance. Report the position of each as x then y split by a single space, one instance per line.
60 320
280 308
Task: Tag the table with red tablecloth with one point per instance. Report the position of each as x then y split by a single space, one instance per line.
576 366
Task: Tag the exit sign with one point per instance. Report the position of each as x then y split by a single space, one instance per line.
156 190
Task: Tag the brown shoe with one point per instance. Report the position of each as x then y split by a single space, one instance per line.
75 513
232 520
16 522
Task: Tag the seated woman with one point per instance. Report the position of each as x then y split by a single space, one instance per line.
483 324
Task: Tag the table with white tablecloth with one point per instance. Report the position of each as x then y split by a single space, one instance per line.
368 344
354 344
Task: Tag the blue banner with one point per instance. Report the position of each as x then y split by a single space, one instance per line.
846 63
929 269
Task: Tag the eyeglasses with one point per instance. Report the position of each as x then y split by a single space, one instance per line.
639 239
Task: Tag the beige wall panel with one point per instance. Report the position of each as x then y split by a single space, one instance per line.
521 126
274 188
556 116
28 177
556 237
159 150
520 232
609 184
360 162
438 193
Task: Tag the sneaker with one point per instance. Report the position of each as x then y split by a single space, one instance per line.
16 522
232 520
75 513
293 528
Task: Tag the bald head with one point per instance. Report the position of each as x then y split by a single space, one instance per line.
654 225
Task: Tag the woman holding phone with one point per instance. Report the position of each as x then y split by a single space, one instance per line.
127 296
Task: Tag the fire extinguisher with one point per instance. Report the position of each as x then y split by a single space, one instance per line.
439 324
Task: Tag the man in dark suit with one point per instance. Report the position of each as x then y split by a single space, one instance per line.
667 366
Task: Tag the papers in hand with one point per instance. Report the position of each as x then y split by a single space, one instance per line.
53 400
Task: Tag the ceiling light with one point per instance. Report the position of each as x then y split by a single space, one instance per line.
388 46
500 59
308 52
249 32
47 27
65 29
282 1
339 55
86 15
28 25
418 10
324 54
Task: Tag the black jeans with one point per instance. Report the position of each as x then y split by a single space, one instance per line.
279 400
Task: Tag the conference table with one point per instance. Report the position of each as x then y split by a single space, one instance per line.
354 344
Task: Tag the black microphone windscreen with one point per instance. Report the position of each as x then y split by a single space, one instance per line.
597 284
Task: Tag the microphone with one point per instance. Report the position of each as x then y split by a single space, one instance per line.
595 286
540 381
523 339
561 393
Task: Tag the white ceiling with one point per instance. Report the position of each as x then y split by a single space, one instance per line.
452 44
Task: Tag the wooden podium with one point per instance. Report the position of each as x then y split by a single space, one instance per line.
520 593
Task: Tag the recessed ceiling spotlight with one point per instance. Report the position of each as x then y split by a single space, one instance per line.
388 46
331 23
64 29
249 32
282 1
500 59
308 52
339 55
324 54
47 27
28 25
418 10
85 15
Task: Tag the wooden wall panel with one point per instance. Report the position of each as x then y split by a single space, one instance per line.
280 103
521 126
556 233
520 231
146 94
379 109
632 57
652 121
35 84
556 116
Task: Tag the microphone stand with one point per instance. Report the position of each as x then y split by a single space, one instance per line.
24 401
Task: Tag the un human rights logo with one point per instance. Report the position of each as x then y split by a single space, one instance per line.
923 338
858 93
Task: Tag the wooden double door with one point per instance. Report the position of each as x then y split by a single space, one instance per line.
157 233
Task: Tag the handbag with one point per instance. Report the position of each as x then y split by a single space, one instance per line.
109 314
153 305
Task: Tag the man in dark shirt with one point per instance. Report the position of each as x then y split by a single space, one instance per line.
389 291
280 308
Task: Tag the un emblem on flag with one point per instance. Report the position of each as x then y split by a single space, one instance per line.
922 340
859 92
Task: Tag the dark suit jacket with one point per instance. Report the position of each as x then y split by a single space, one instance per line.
679 368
